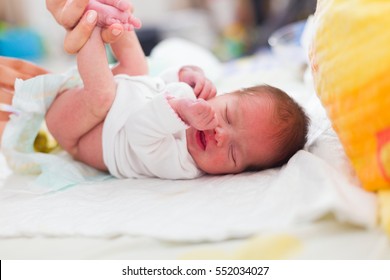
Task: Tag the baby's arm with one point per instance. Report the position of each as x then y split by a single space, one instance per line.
196 113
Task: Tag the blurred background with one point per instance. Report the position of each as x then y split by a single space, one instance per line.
229 28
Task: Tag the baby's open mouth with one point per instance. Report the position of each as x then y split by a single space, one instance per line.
201 139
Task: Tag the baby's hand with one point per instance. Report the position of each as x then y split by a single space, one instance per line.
194 77
196 113
112 11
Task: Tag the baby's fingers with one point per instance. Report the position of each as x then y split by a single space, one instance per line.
211 123
209 91
202 107
198 87
204 115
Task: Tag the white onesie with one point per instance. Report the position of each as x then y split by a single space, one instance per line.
142 134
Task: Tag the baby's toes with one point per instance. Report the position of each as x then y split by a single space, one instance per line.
119 16
111 20
124 17
135 22
122 5
128 27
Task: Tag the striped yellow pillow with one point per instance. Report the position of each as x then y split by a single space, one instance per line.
350 60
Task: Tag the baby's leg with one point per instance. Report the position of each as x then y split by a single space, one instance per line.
77 130
70 118
90 148
75 112
71 123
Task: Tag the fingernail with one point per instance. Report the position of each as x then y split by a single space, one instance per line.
116 32
91 16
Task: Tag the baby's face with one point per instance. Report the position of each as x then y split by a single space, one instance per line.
241 139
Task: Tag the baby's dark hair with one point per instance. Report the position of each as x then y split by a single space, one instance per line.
291 125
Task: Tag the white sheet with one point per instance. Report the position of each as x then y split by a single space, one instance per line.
209 208
315 183
325 240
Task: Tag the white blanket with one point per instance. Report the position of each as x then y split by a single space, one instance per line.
316 182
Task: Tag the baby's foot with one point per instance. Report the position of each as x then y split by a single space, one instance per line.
124 6
119 4
114 11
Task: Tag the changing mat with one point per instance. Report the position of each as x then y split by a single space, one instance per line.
208 208
316 182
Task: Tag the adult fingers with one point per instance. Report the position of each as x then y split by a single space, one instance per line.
76 38
5 99
22 66
55 7
71 13
28 69
4 116
112 33
8 76
6 96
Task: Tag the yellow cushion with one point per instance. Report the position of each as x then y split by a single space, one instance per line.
384 210
350 60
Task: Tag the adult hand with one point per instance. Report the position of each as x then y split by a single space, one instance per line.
79 25
194 77
11 68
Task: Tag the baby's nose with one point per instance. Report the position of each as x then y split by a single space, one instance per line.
220 136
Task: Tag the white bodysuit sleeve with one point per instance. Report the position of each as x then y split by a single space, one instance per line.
170 75
158 138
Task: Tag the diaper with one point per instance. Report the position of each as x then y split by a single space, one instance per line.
32 99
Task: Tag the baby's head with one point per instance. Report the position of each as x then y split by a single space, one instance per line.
258 127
